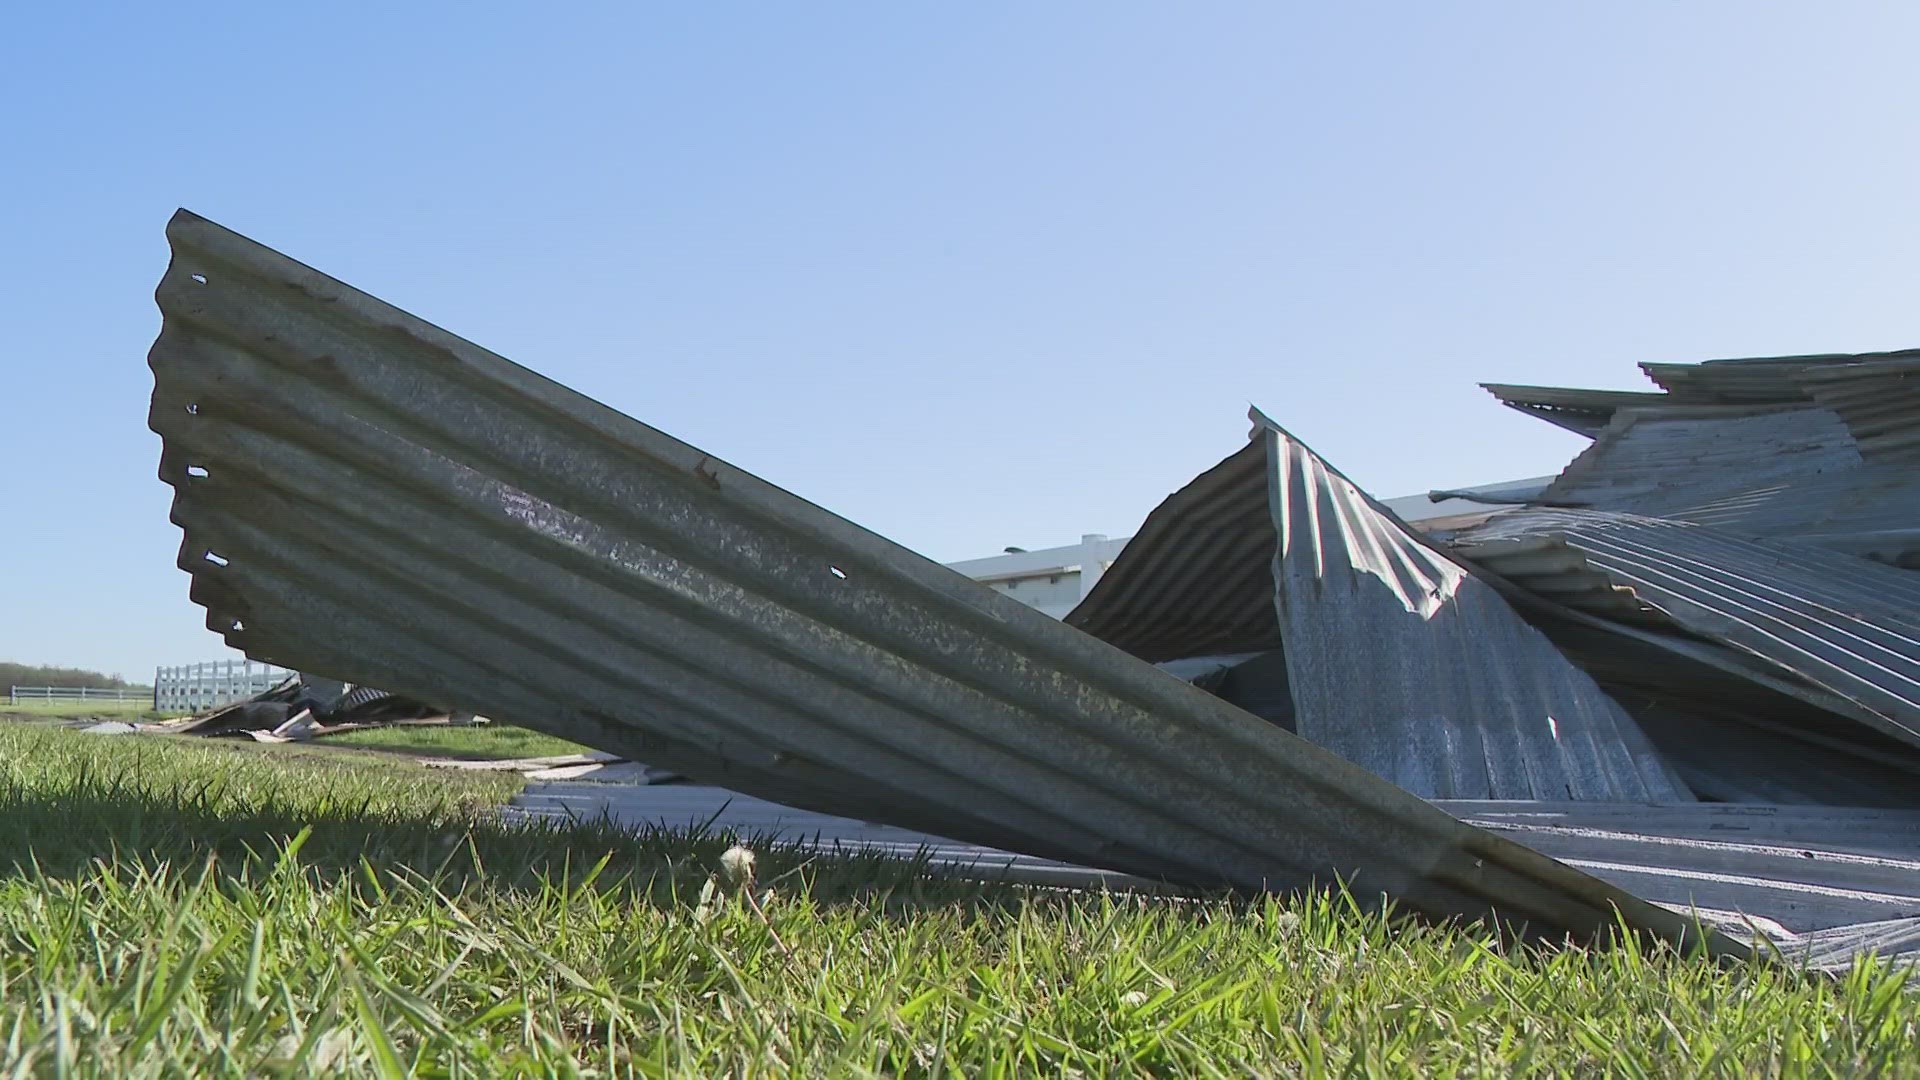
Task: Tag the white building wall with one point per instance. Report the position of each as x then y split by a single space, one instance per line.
1053 579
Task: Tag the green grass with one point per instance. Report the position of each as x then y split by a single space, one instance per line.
119 710
497 742
177 907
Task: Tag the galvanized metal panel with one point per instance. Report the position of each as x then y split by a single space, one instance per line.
1815 448
1584 412
366 496
1197 578
1804 868
1453 706
1728 466
1789 472
1848 625
1400 659
1879 402
1743 731
1747 381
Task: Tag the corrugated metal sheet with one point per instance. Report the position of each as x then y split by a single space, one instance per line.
1751 380
1780 471
1804 868
1847 625
1739 735
1197 579
1880 403
369 497
1816 448
1401 660
1724 465
1584 412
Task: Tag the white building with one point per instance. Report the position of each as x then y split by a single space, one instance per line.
1056 579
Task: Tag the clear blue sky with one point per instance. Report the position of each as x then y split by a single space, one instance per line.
993 274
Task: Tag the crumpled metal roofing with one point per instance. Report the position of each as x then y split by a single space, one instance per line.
1770 470
1879 402
1756 379
1400 659
366 496
1737 733
1848 625
1584 412
1736 466
1197 579
1454 697
1816 448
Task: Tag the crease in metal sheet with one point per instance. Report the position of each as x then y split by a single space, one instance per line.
1814 448
1848 625
393 505
1398 658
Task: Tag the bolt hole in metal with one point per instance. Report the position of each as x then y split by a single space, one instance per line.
216 558
837 572
200 279
193 408
196 471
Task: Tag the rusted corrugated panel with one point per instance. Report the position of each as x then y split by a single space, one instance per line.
1845 624
366 496
1401 660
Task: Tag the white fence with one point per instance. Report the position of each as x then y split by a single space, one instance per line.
18 694
195 687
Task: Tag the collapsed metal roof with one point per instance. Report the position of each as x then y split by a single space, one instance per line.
1849 625
1583 412
367 496
1400 659
1810 448
1197 579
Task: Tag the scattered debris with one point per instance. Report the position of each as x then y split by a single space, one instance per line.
425 514
303 708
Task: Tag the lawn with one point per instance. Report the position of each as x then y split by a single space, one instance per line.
64 709
496 742
191 908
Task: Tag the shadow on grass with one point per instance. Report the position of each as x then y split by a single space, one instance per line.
452 837
70 803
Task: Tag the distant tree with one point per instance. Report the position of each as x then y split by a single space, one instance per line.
12 674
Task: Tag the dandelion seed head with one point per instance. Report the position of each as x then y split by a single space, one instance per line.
736 863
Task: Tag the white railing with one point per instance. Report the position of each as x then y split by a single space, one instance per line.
19 694
190 688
